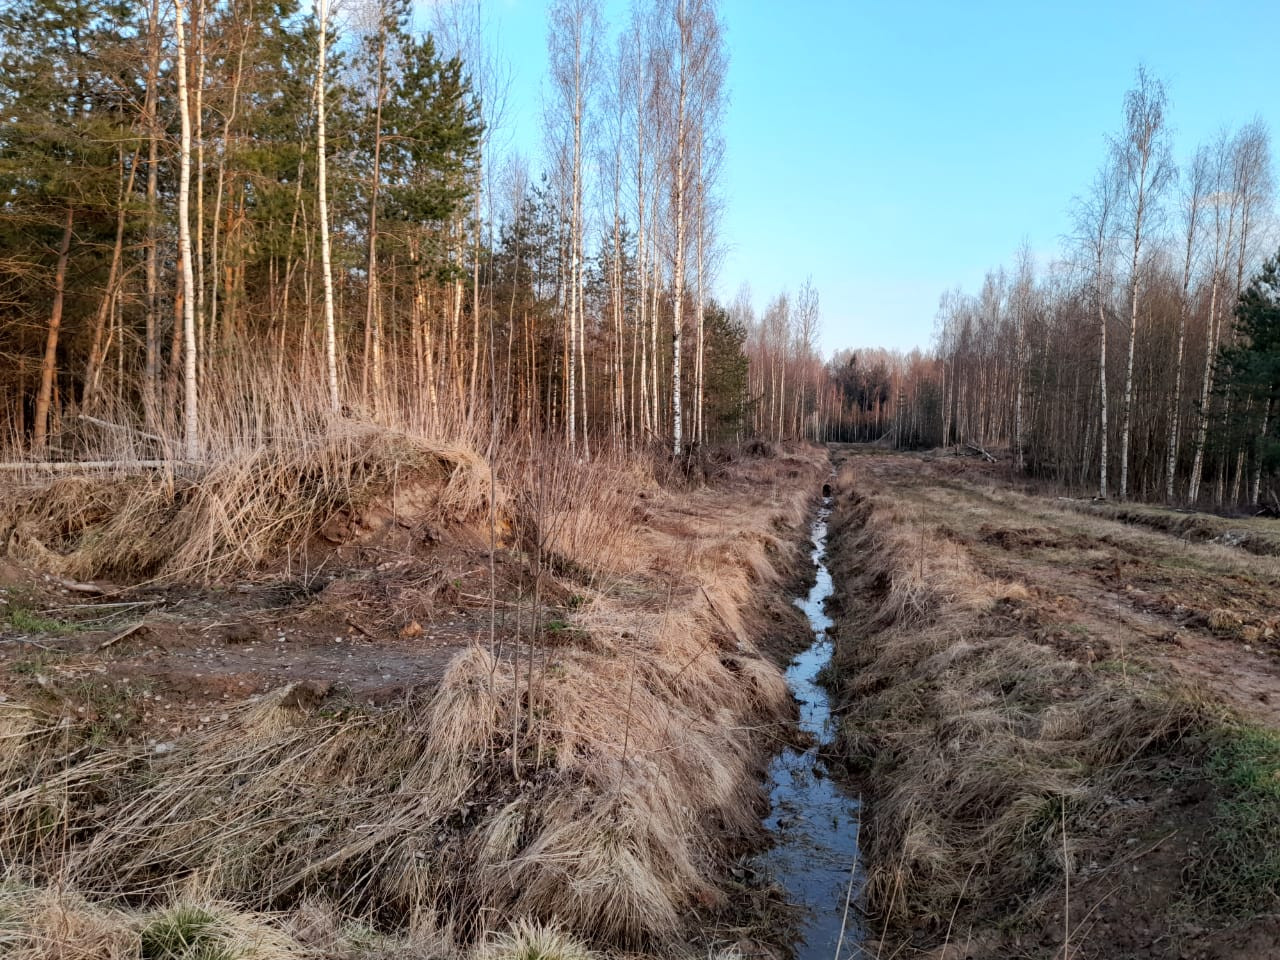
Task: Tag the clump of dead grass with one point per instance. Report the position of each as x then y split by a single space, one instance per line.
255 506
59 924
529 940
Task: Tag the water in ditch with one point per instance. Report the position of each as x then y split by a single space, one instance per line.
814 820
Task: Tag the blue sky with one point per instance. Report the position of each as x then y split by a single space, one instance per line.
894 150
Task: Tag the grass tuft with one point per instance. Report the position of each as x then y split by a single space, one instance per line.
184 933
1239 873
530 940
27 621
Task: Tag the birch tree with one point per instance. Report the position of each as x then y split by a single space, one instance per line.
1022 307
1223 214
189 359
1144 169
574 25
1193 201
1094 218
322 190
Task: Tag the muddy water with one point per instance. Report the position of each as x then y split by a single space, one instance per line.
814 820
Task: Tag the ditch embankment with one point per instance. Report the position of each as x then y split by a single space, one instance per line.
360 700
1065 725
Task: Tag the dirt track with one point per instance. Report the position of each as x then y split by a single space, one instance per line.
1105 589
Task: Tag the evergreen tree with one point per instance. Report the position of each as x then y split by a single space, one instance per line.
65 149
1251 368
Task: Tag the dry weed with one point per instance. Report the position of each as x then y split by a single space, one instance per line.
595 784
255 506
980 741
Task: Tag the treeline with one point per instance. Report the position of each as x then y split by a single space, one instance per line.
1143 362
219 215
882 396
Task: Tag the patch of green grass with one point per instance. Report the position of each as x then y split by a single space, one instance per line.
1239 871
118 707
563 630
184 933
1111 665
25 620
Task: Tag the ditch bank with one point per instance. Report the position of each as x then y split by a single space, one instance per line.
584 771
1025 799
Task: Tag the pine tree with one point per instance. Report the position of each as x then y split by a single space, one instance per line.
1251 368
63 144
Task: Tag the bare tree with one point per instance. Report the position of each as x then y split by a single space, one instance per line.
48 366
806 314
1022 306
151 372
1224 210
1144 169
574 25
1095 221
1193 200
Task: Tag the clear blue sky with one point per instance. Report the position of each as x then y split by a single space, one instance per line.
895 149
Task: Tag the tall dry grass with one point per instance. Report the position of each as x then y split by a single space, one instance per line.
593 779
992 761
276 465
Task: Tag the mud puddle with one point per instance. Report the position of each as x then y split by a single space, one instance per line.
814 819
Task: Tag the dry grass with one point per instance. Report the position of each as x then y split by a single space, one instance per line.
526 940
983 747
55 924
595 784
1256 535
260 506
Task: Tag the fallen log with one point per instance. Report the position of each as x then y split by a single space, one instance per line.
78 587
71 466
982 453
108 425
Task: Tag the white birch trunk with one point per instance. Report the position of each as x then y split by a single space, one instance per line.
322 186
190 397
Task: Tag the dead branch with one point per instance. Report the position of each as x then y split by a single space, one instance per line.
126 632
71 466
78 587
981 452
108 425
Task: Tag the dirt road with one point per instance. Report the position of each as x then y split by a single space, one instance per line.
1104 589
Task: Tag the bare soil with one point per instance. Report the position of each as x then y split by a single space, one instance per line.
367 631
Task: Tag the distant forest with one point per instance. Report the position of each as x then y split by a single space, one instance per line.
1144 362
